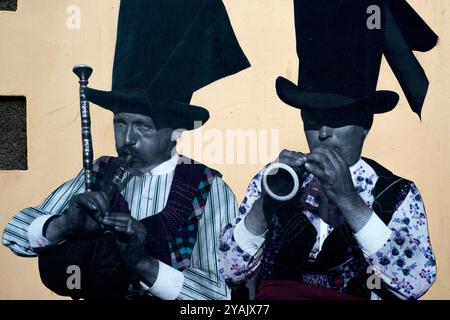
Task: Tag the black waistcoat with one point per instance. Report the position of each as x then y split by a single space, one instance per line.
171 236
340 264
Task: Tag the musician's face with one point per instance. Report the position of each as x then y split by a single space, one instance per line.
137 135
347 141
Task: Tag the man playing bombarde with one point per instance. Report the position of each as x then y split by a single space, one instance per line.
352 218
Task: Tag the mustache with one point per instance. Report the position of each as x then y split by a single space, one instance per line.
334 148
128 155
125 151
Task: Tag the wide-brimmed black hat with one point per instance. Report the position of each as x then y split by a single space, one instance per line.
340 44
165 51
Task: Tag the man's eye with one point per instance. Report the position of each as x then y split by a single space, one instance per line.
144 127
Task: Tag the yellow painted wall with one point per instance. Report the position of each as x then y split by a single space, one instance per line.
37 54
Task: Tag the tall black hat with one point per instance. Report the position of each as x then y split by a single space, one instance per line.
340 44
165 51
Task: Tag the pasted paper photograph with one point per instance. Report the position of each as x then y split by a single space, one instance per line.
224 150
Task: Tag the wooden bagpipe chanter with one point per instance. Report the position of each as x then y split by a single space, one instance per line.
94 259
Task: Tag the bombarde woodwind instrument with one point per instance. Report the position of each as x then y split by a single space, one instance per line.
282 182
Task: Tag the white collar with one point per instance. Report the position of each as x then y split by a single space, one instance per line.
362 170
356 165
165 167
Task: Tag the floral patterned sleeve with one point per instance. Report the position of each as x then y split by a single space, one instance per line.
406 263
240 252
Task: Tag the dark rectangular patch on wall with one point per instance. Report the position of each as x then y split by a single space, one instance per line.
13 133
8 5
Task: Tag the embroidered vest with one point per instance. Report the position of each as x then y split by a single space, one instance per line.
171 236
340 265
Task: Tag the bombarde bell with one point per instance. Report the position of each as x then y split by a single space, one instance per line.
282 182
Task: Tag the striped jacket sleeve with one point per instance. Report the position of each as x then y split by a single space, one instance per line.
16 234
202 280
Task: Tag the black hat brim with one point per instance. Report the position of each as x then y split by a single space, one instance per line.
379 102
185 115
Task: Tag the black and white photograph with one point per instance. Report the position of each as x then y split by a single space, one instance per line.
247 152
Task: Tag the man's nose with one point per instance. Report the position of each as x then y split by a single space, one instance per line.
130 137
324 133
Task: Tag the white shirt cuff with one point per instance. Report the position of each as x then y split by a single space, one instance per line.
246 240
35 236
168 283
373 235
